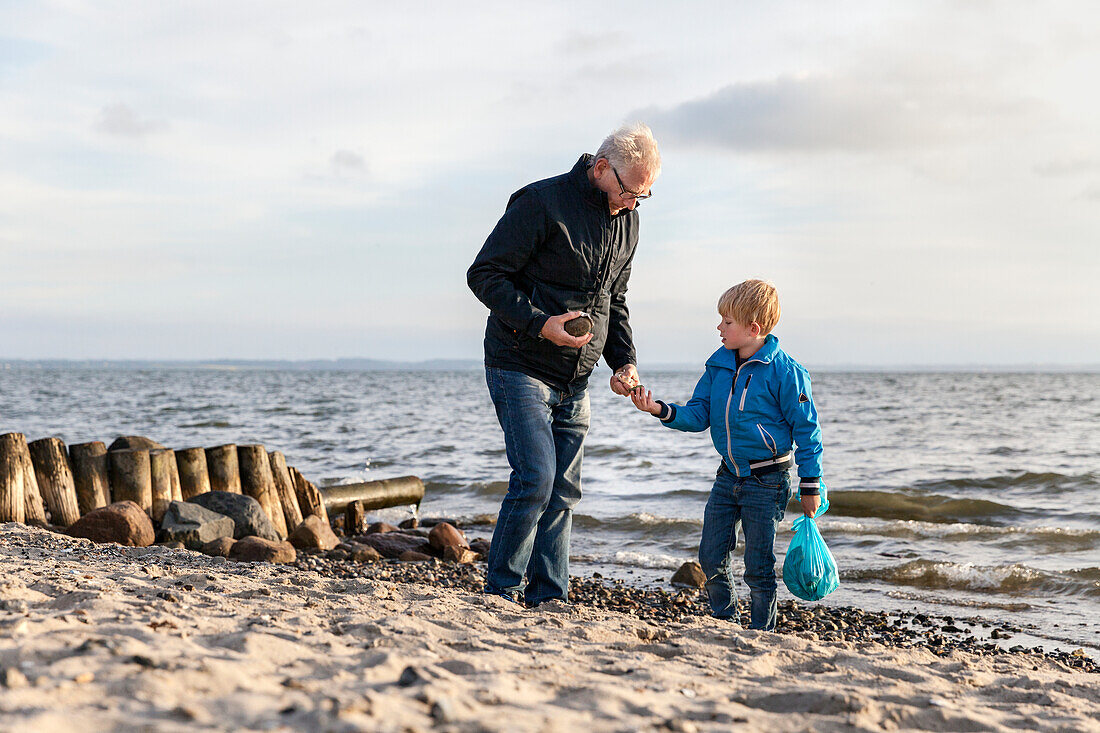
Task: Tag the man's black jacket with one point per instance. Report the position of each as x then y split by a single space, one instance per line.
557 249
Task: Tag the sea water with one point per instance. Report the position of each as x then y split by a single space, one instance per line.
951 493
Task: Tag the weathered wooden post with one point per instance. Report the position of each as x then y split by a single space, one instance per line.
12 503
194 479
174 477
34 509
160 478
354 518
130 477
257 482
89 464
309 498
55 479
284 485
221 464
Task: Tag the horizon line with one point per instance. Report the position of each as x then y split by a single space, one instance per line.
445 363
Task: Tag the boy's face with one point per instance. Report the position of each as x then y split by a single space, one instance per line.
736 336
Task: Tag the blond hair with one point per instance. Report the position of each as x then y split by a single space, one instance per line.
632 146
753 301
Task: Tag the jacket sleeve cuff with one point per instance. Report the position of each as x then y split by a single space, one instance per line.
809 485
534 328
668 412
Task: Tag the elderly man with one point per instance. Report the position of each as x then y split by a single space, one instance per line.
562 249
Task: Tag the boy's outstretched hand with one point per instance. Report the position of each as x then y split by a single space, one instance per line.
643 400
810 504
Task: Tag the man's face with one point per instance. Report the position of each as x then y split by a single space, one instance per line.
635 180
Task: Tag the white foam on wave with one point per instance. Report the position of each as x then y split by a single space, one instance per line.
632 559
938 529
653 519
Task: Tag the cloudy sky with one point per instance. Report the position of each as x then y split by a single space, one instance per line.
288 180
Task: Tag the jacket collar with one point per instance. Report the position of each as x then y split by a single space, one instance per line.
728 360
579 175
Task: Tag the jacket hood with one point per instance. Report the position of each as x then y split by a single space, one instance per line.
726 359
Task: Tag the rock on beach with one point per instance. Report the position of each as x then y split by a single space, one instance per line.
444 535
193 525
249 518
313 533
258 549
123 522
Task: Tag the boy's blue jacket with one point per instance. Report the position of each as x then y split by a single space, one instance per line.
755 412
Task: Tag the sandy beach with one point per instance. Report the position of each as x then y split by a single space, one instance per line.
155 639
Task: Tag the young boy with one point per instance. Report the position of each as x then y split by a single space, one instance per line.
756 401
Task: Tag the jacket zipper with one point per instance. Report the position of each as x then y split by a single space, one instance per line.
729 400
745 393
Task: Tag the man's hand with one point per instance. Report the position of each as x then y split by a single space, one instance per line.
554 331
643 400
810 504
624 380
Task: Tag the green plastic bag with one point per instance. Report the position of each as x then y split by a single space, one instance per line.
809 570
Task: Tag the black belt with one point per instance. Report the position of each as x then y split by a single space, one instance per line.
771 465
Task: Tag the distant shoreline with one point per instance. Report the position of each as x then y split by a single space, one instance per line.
439 365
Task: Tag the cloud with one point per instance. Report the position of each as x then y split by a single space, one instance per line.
346 161
830 113
121 121
1068 167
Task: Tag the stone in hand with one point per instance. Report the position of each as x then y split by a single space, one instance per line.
578 326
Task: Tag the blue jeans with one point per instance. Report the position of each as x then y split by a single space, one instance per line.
756 504
544 431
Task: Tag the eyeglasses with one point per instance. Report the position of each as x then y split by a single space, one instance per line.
624 193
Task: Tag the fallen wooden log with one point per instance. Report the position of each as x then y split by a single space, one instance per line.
89 464
375 494
12 503
193 476
257 482
284 485
55 480
225 472
34 509
131 479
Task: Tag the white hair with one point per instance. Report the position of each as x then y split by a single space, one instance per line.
631 146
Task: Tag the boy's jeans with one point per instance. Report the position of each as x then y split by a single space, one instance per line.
755 503
544 433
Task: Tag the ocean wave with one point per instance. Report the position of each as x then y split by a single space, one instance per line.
1047 482
1052 539
208 424
923 507
640 522
631 559
968 577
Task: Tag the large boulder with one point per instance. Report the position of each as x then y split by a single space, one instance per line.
193 525
258 549
444 535
690 575
249 518
313 533
123 522
134 442
392 544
